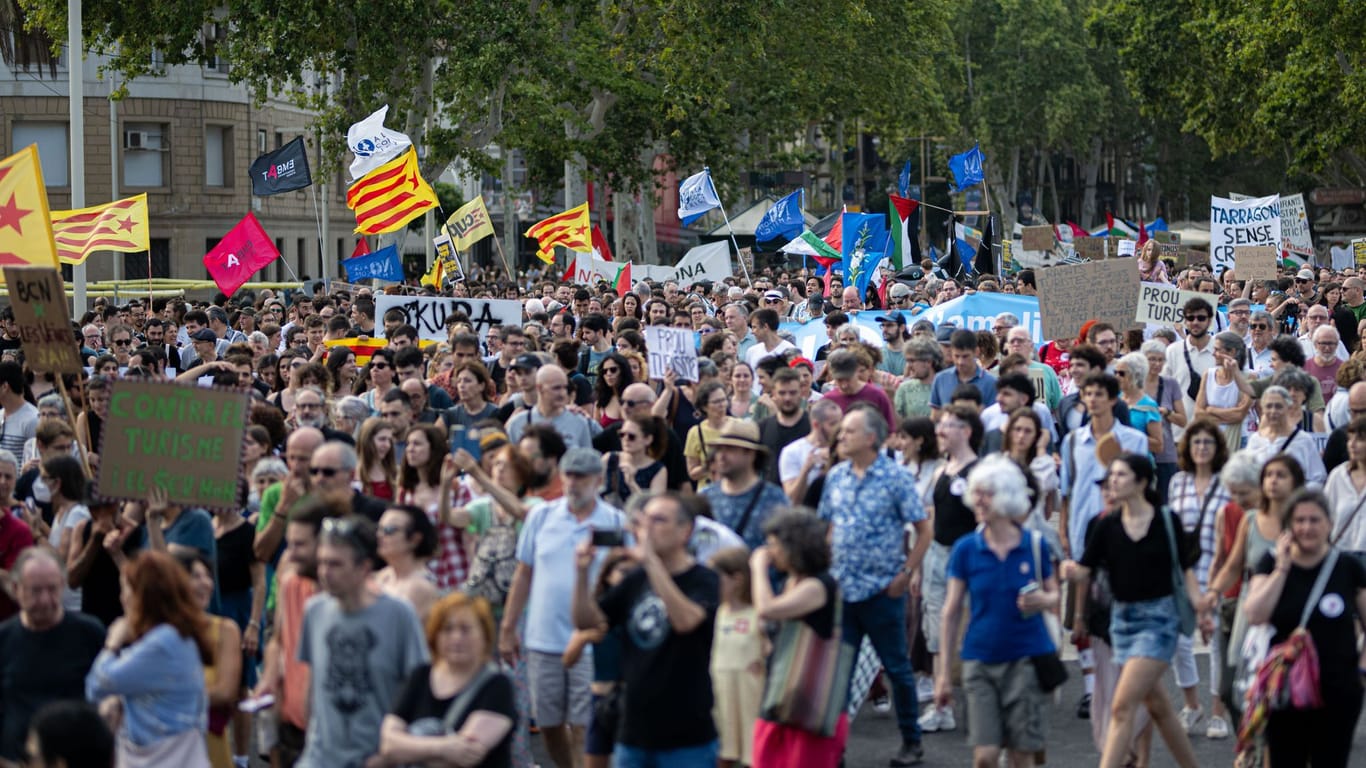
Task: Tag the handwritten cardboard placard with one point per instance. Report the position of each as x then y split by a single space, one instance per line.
187 440
1255 262
1037 239
1161 303
1092 248
1071 294
1359 252
428 313
671 349
38 298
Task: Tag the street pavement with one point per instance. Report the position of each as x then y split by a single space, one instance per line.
873 738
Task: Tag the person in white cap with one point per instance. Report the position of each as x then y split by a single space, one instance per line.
1306 287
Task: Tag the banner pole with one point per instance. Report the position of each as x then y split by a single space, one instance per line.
738 257
318 221
71 417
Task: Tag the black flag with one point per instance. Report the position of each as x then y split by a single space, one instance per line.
985 262
952 263
284 170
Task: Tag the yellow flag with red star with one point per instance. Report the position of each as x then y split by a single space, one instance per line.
25 226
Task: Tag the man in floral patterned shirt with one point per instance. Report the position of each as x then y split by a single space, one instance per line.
868 500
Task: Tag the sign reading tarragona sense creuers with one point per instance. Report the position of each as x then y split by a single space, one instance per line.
185 439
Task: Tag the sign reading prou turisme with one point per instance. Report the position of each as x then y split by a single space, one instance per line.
187 440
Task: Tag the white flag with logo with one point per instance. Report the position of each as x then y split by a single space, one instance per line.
373 144
705 262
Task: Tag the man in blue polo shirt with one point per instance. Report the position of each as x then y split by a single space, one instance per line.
544 585
965 370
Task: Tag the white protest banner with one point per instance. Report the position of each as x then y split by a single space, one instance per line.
1127 247
588 270
1295 236
710 261
428 313
1255 221
1161 303
655 272
671 349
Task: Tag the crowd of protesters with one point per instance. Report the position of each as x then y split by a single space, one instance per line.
448 548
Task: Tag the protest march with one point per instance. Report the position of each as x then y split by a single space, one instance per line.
821 486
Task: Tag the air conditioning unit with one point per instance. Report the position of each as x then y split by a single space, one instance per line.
137 140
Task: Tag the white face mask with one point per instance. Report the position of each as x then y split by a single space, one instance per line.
41 493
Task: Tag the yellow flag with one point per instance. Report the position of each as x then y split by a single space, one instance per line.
118 226
390 196
470 224
433 276
25 226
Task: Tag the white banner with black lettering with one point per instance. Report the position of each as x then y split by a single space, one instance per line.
428 314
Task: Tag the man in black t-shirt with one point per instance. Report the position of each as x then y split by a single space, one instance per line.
668 608
791 421
45 651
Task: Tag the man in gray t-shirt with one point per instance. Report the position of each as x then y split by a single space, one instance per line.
362 647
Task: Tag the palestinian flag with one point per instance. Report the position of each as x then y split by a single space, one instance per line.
1116 228
622 282
826 254
904 241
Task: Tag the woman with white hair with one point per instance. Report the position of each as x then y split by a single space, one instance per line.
1280 431
348 414
1010 582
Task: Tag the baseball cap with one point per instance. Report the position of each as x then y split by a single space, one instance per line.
892 318
204 334
526 362
944 333
773 295
899 291
1305 274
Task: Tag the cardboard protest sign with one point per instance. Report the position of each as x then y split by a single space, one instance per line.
1161 303
1233 223
187 440
1256 262
671 349
1359 253
1295 236
428 313
1037 239
38 299
1092 248
1071 294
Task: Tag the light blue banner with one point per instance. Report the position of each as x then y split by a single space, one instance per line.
974 312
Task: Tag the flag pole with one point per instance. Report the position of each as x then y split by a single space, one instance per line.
738 256
318 220
498 243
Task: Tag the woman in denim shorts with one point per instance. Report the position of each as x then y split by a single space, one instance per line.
1134 549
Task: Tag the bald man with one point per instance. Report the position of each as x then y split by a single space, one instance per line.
637 400
330 471
277 500
552 407
45 651
1335 452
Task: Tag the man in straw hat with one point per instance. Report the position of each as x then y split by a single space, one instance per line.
743 500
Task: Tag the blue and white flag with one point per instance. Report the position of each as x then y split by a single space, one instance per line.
862 234
864 270
383 264
903 180
784 219
967 168
696 196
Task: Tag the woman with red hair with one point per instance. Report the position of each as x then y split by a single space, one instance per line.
153 665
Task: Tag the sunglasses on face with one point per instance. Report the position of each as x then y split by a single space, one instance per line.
378 367
393 530
324 471
1260 326
1198 318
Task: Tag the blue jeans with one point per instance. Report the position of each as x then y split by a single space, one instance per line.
683 757
883 620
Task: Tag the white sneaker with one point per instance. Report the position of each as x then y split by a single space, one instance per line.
882 704
1190 718
937 719
924 689
1218 728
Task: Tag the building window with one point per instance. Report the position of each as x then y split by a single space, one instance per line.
145 154
301 256
218 163
135 264
215 35
261 141
53 149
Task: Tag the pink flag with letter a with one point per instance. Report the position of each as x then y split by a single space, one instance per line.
240 254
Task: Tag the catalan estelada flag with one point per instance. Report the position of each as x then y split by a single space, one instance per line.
25 230
117 226
569 229
390 196
362 347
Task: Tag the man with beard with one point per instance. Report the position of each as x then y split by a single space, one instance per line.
310 410
1187 360
893 339
743 499
544 448
791 421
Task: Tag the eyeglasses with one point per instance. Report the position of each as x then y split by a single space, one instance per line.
122 342
1300 280
613 369
392 530
634 403
345 528
324 471
773 301
706 331
379 367
1260 327
1198 318
629 436
1121 373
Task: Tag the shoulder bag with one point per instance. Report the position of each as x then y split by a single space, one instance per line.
1048 667
808 678
1184 609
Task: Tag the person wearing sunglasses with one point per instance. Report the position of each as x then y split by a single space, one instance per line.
1187 360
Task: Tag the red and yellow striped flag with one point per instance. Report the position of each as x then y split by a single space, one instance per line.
390 196
25 230
569 229
118 226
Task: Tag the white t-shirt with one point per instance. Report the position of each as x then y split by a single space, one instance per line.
71 598
792 457
758 352
16 428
